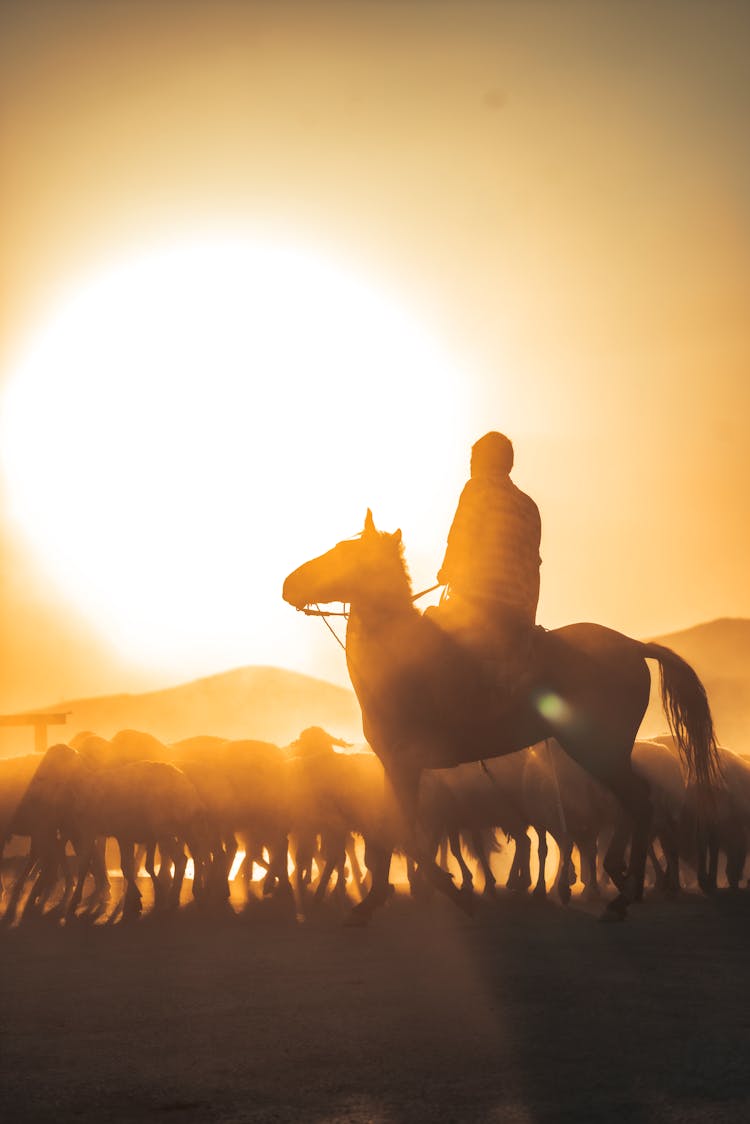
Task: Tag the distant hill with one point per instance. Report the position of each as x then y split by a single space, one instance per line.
272 704
720 653
266 703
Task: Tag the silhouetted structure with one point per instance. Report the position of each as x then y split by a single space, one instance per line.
40 720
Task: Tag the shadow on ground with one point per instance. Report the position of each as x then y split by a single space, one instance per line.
528 1012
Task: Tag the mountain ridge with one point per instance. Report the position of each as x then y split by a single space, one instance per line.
262 702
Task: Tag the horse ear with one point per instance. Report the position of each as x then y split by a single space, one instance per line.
396 536
369 521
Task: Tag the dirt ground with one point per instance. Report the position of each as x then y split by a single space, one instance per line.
527 1012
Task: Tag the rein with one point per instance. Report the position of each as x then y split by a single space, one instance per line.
325 613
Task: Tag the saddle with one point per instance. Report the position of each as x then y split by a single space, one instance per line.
506 651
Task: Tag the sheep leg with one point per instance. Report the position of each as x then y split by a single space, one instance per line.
565 843
29 866
589 874
356 869
520 871
84 861
329 865
484 862
467 879
132 903
150 864
540 890
614 859
179 858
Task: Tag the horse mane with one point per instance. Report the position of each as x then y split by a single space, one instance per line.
397 565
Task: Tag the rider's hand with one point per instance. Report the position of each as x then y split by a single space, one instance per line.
442 577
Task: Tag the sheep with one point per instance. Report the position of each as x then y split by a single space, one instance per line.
242 786
470 799
568 803
42 814
145 802
337 795
15 774
703 841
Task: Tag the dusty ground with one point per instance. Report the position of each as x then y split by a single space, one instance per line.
528 1012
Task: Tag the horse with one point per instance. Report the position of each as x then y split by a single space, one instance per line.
428 702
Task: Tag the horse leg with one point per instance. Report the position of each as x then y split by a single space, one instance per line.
405 783
635 797
378 862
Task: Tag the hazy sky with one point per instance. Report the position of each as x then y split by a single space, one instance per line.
557 193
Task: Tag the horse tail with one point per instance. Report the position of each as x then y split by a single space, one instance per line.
686 705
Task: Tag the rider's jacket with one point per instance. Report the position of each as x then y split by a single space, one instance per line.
492 555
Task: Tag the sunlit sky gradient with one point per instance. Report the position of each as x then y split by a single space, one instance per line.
555 193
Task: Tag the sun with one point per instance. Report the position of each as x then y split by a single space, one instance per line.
192 421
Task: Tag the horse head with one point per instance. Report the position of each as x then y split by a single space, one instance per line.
369 566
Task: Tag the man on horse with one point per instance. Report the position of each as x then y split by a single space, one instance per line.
491 564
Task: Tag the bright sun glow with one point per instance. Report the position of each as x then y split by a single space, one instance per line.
193 423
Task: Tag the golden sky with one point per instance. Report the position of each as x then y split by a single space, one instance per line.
554 194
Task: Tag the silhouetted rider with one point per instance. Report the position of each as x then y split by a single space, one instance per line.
491 564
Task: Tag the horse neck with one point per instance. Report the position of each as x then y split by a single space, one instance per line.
370 616
376 637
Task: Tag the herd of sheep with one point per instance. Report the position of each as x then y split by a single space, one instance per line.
297 813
